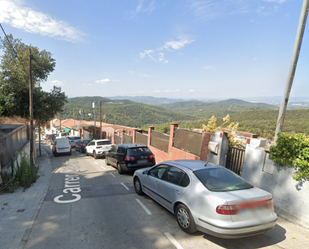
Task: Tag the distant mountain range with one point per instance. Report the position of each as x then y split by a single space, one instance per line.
259 118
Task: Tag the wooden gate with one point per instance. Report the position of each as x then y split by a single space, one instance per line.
235 159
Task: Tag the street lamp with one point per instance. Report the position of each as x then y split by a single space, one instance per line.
94 128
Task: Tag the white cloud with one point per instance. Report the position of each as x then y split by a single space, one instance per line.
19 16
157 54
103 81
176 45
156 91
191 91
143 6
56 83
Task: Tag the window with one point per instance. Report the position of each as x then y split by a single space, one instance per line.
91 144
121 150
221 180
104 142
113 149
158 171
185 181
138 151
174 175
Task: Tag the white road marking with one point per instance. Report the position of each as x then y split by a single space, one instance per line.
103 167
143 206
172 239
112 175
96 162
125 186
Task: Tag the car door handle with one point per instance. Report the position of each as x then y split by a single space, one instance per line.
177 192
157 183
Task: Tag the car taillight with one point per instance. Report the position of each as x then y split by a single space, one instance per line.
129 158
70 146
84 145
72 141
98 147
55 146
227 209
151 156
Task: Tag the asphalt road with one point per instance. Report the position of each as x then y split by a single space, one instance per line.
89 205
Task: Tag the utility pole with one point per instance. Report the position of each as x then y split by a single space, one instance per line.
31 110
100 119
94 128
293 65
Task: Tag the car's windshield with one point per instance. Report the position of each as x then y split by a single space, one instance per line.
221 180
138 151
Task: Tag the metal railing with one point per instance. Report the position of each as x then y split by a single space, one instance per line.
159 140
13 142
187 140
141 138
117 139
127 139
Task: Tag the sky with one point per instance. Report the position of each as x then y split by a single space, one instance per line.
164 48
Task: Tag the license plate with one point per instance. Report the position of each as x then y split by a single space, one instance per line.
142 161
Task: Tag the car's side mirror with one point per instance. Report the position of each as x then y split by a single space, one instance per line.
145 172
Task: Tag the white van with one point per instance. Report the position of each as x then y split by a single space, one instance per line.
62 146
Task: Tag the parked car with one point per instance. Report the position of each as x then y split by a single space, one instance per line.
61 146
73 140
81 145
98 148
208 198
129 157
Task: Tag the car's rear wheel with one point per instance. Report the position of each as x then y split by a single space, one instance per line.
120 170
138 186
185 219
95 155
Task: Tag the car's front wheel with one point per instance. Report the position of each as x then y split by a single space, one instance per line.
138 186
185 219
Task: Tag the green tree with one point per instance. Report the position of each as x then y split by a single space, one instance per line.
14 74
14 82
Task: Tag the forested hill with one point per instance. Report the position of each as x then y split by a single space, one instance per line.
219 109
124 113
87 101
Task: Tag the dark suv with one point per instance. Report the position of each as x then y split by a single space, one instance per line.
129 157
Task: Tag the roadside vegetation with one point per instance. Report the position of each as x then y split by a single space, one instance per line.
21 175
293 150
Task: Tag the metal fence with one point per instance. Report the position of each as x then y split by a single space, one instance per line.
13 142
235 159
159 140
127 139
117 139
141 138
190 141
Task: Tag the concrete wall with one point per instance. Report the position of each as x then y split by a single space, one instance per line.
291 197
223 142
26 150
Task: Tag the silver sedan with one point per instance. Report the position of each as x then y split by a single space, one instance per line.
208 198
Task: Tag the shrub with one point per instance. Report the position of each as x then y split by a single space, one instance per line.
293 150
